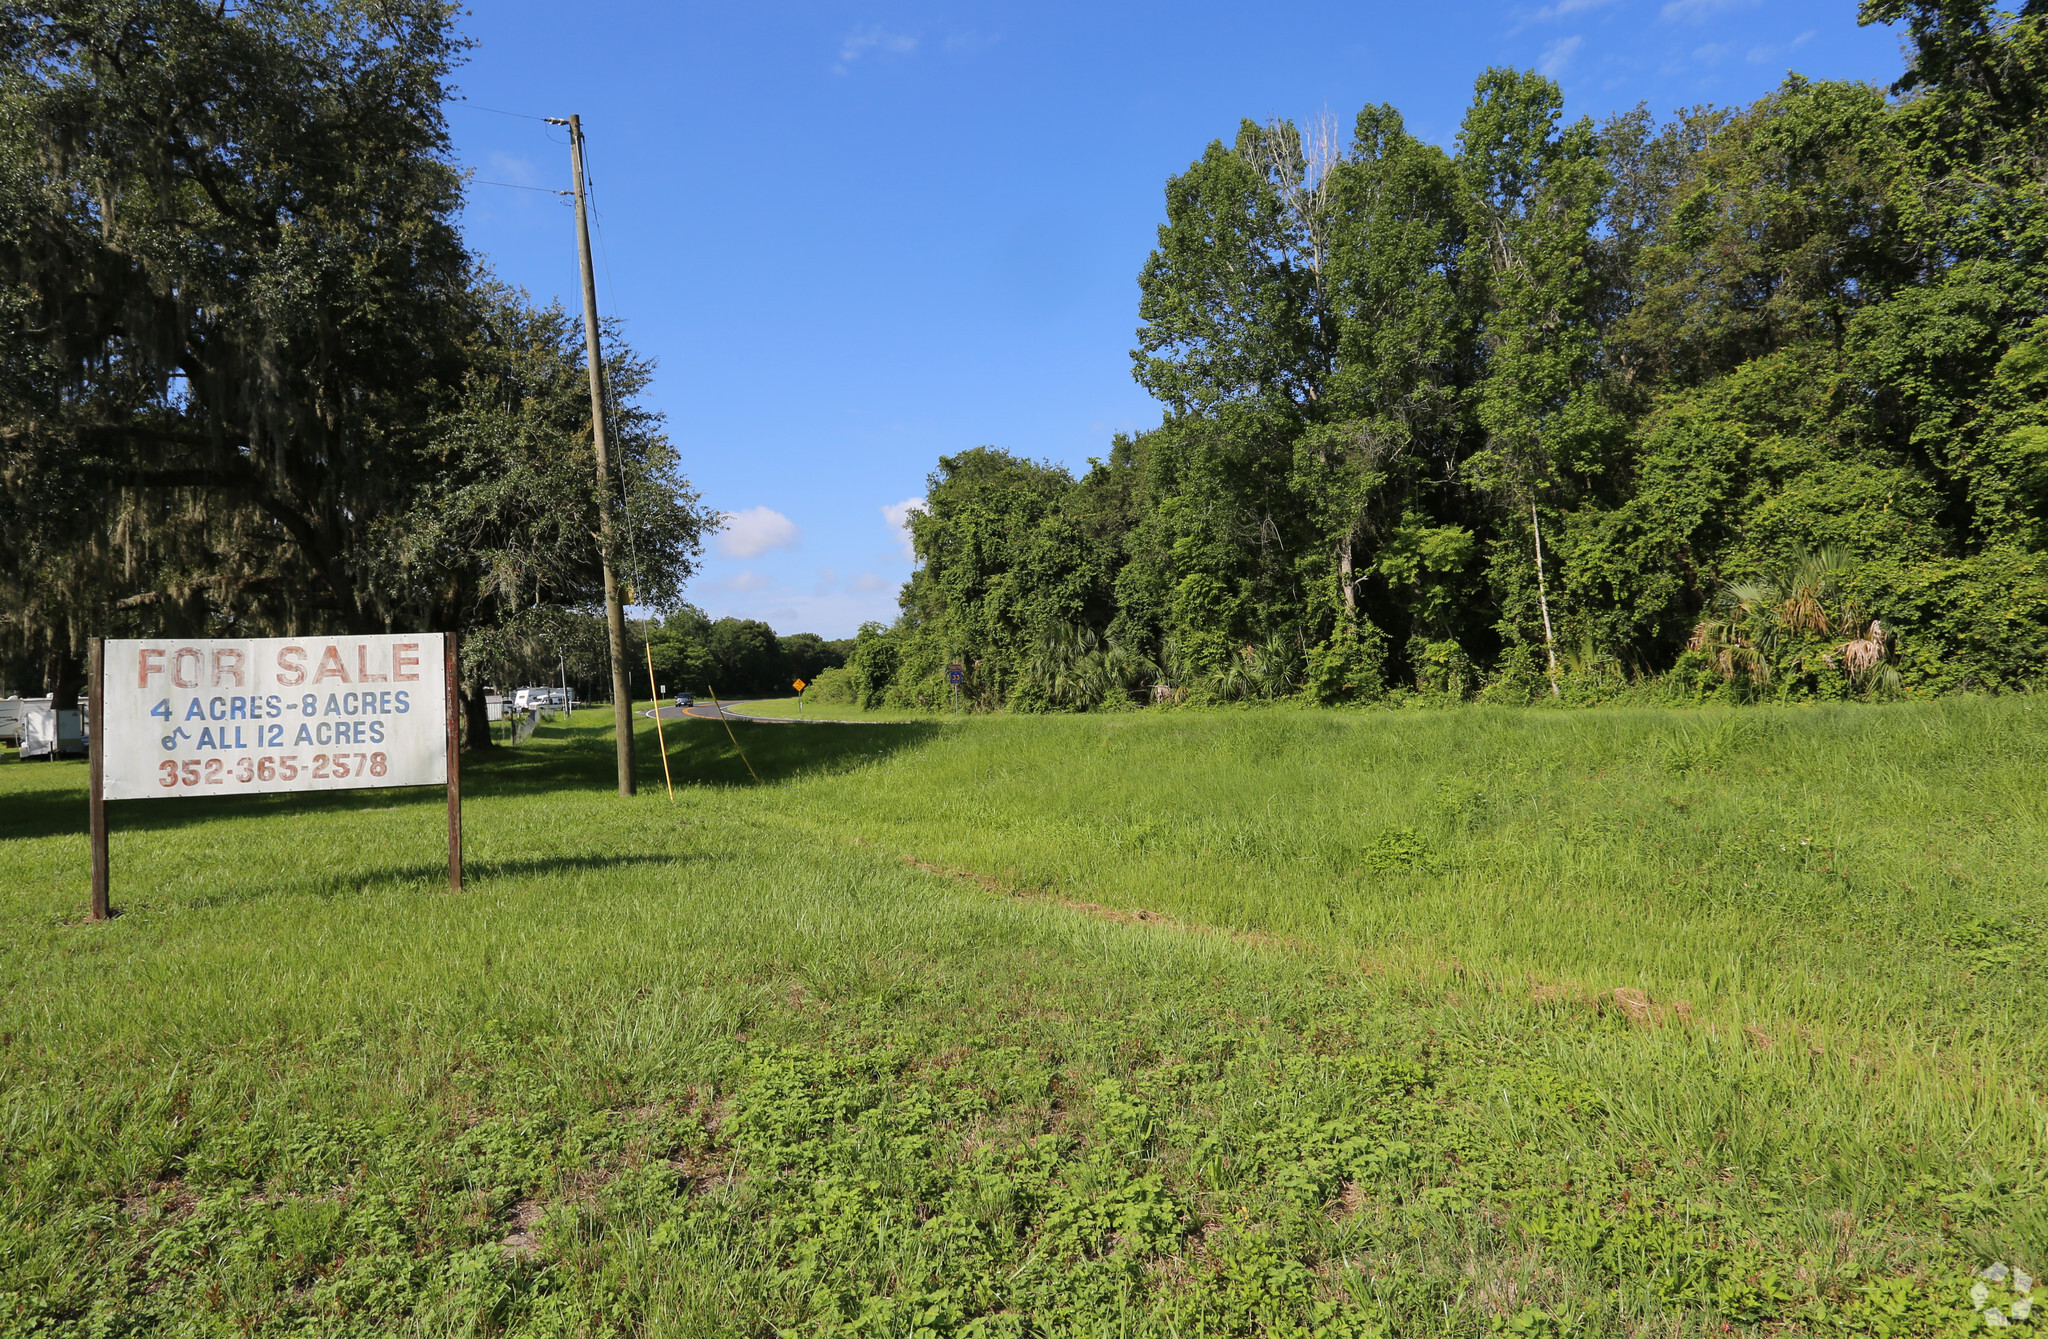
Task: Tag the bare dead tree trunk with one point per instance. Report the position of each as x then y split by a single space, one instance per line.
1543 602
1301 165
1344 576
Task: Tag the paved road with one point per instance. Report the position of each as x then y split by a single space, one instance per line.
704 711
737 711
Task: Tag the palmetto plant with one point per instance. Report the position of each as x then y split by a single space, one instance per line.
1072 667
1260 673
1176 673
1738 633
1787 620
1867 659
1811 584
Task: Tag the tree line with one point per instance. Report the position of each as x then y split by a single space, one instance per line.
1748 403
736 657
691 653
252 381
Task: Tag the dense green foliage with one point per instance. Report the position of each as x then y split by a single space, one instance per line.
1684 360
250 378
1198 1023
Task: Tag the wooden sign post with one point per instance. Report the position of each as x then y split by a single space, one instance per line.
454 708
174 717
96 706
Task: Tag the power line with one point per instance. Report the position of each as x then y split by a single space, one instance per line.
513 185
524 116
597 217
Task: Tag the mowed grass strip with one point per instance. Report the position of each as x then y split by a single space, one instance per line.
1520 1022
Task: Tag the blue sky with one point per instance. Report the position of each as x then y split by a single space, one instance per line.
859 236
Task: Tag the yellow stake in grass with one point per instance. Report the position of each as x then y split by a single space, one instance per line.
662 739
720 708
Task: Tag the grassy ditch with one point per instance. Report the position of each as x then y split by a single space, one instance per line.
1178 1024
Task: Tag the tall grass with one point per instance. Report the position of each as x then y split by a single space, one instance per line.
1846 903
1817 862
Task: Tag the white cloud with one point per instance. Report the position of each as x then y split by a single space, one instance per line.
897 514
753 532
513 168
1713 53
1764 55
827 579
861 41
1698 11
1564 7
1558 55
747 580
867 581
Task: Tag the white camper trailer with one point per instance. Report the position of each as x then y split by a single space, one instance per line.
10 720
49 733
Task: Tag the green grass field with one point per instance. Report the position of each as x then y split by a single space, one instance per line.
1239 1023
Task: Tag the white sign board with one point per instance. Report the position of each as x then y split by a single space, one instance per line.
187 717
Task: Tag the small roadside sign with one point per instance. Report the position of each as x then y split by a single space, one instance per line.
798 685
955 674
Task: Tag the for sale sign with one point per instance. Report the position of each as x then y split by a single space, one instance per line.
187 717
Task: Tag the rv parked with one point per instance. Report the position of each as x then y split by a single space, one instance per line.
49 733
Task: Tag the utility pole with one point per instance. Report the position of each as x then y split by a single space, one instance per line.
614 612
